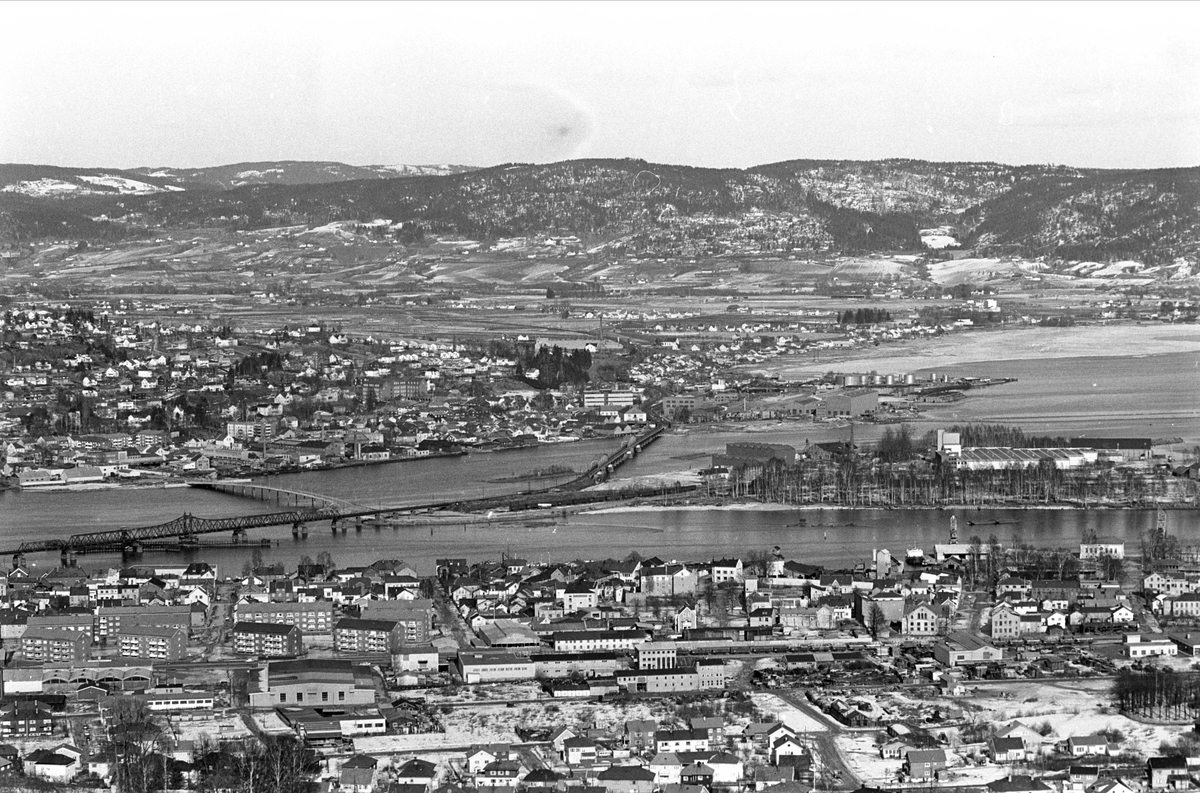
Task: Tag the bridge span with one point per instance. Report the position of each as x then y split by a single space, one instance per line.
313 507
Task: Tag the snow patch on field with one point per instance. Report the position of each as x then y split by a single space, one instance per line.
125 186
788 713
256 174
42 187
938 238
961 271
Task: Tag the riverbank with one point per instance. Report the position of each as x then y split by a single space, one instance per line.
711 505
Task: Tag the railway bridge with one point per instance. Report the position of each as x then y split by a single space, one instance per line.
305 508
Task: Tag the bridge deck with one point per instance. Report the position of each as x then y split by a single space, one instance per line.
331 509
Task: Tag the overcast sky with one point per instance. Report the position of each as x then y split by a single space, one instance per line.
1102 84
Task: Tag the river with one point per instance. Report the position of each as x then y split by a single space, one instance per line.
1138 395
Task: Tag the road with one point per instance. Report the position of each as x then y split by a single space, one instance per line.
837 770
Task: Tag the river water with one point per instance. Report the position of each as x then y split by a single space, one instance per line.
1147 396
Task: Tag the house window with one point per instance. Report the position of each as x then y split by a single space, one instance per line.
341 696
282 697
324 696
299 697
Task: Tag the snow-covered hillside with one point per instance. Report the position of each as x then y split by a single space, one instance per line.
85 184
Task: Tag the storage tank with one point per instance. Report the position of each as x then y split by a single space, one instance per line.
910 379
854 379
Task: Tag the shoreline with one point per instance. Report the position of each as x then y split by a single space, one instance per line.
759 506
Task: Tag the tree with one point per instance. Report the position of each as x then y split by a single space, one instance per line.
995 560
1112 567
138 745
276 764
256 558
325 560
875 619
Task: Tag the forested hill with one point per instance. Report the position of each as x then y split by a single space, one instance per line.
796 205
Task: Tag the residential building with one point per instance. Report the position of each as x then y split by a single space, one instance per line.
415 617
1165 773
158 644
267 639
24 718
314 617
924 763
361 636
112 620
1084 745
47 645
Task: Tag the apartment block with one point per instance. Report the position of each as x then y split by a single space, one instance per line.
267 640
315 617
357 636
158 644
48 645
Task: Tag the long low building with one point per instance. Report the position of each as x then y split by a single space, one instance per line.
589 641
314 617
113 674
594 664
111 620
988 458
703 676
331 723
181 700
494 667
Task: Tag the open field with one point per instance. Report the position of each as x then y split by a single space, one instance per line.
1060 709
1005 345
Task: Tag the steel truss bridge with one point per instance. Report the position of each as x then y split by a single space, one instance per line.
308 508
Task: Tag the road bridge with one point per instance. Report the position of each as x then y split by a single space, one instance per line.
277 495
313 507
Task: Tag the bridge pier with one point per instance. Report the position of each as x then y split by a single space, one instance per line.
18 560
239 535
67 558
131 549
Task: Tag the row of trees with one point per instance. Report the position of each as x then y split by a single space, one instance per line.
1158 693
1005 435
846 482
864 316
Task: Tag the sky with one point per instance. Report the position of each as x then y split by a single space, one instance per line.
121 85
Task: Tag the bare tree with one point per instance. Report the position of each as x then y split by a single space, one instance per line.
138 744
